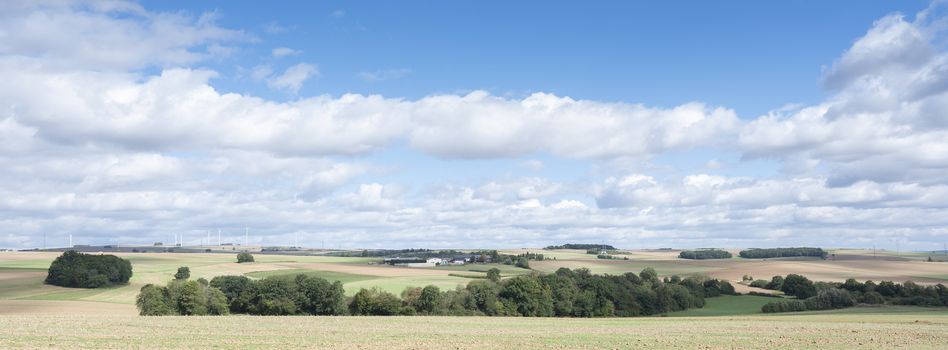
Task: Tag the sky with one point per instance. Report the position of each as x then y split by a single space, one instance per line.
489 124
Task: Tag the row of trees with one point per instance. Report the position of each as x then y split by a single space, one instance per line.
78 270
584 246
702 254
834 295
565 293
763 253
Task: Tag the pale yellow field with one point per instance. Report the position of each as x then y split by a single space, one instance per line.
916 329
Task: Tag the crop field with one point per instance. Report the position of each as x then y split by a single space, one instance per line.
22 273
35 315
877 327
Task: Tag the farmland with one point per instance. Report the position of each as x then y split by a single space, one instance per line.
22 273
880 328
33 314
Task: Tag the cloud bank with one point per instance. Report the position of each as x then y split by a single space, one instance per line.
124 138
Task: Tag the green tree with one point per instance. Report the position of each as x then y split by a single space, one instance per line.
493 275
244 258
527 296
237 289
153 301
319 297
188 297
78 270
798 286
429 299
183 273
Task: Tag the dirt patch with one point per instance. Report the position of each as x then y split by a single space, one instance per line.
56 307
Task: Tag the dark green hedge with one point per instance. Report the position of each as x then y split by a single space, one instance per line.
759 253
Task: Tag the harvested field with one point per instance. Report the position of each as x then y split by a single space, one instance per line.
884 328
60 307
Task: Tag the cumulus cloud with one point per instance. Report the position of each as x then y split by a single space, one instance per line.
884 123
93 146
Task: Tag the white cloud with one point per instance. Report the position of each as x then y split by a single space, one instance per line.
284 51
382 75
120 154
66 35
293 78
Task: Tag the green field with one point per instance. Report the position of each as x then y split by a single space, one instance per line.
726 305
882 328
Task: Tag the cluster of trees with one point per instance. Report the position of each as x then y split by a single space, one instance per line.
597 247
78 270
702 254
833 295
565 293
610 257
759 253
531 256
244 258
181 297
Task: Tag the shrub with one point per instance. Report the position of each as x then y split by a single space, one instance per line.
759 284
244 258
183 273
78 270
783 306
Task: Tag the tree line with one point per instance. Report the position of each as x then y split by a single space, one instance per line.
764 253
583 246
79 270
702 254
835 295
565 293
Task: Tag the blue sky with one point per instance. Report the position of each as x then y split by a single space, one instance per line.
751 56
480 124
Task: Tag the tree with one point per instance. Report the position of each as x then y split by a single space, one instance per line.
78 270
649 274
484 296
319 297
153 301
776 283
375 302
183 273
798 286
236 289
493 274
527 296
429 299
244 258
187 297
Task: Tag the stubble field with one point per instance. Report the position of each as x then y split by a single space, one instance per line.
883 328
